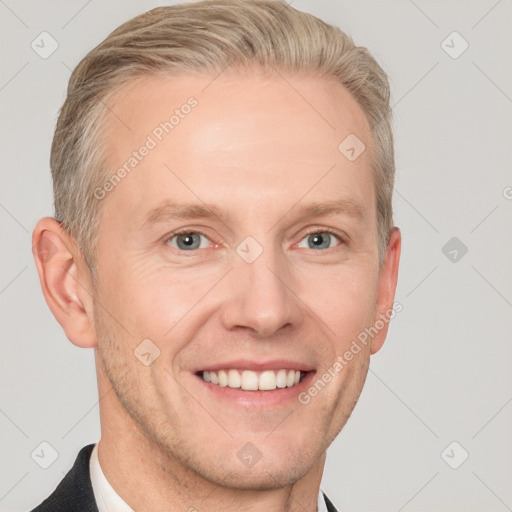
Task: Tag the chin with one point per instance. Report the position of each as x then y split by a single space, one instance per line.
262 476
267 465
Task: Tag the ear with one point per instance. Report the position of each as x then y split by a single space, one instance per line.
66 281
388 277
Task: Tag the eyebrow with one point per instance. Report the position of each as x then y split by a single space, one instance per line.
179 211
334 207
176 211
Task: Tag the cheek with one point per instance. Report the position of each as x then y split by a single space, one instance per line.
344 299
151 301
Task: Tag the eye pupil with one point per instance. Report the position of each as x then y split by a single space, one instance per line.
320 240
188 240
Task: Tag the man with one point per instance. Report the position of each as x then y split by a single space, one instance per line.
223 174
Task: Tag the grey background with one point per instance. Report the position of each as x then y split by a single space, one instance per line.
444 372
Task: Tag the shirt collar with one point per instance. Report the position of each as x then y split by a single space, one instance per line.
107 499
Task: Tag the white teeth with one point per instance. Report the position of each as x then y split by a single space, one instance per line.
267 380
223 379
249 380
281 379
234 379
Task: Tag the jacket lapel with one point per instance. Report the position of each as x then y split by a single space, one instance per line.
75 490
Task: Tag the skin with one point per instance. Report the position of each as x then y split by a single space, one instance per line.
258 151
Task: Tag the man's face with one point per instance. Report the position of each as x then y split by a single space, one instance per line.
265 284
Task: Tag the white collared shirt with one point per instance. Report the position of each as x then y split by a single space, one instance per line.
109 501
106 498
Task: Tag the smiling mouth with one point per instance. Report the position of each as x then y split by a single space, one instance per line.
248 380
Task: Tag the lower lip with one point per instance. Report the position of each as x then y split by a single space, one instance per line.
275 398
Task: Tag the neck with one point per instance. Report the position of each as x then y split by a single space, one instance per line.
149 479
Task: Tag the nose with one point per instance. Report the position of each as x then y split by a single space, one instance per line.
260 296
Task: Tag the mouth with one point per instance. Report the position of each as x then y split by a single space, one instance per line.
250 380
254 385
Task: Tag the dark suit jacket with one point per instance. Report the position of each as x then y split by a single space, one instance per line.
75 494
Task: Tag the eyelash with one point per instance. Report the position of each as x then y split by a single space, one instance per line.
309 232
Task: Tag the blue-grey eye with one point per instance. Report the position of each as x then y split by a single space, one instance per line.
188 241
320 240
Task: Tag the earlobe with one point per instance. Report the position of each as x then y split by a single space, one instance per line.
388 278
66 284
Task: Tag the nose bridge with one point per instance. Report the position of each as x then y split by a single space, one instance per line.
259 296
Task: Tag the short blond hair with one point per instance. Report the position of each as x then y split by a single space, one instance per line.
208 37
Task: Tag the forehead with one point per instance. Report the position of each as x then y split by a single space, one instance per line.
250 100
274 134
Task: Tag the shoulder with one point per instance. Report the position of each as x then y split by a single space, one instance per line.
329 504
74 492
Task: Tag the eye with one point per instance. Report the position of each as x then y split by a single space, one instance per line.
188 241
319 240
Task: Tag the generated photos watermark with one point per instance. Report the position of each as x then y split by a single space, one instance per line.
156 136
362 339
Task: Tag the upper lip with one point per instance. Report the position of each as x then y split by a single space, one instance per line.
246 364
